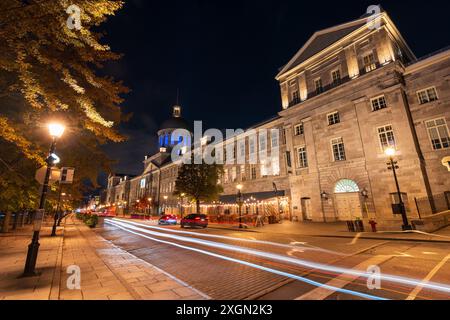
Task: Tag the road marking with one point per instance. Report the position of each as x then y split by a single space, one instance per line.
310 247
256 266
341 281
425 280
273 256
355 238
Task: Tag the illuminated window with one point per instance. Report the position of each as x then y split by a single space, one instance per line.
299 129
369 62
346 185
336 76
302 157
333 118
438 132
427 95
318 85
338 149
378 103
274 138
386 135
253 173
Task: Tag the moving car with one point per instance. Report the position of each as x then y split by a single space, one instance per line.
195 220
168 219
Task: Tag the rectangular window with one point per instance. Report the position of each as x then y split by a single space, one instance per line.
233 174
336 76
302 157
242 172
378 103
288 159
283 136
295 94
295 99
251 143
338 149
299 129
333 118
369 62
386 135
438 131
262 142
253 173
242 148
427 95
318 85
274 136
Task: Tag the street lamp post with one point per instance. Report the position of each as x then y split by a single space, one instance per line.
56 131
239 203
393 165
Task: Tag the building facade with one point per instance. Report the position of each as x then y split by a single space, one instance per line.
351 91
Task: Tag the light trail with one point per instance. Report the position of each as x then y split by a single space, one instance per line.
234 239
256 266
296 261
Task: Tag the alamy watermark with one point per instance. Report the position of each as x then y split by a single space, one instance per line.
261 146
74 280
74 19
374 278
373 21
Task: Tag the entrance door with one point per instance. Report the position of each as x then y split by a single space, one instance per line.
306 209
348 206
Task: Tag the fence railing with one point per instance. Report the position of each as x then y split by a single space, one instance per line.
434 204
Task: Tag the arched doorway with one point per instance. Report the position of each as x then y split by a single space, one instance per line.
348 200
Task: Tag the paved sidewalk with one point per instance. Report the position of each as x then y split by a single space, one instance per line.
107 272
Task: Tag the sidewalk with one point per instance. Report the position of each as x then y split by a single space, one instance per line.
107 272
337 230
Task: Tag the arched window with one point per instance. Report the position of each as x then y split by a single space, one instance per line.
346 185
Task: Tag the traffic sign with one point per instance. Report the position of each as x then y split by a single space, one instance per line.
54 175
67 175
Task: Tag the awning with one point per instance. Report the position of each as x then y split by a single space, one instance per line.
257 196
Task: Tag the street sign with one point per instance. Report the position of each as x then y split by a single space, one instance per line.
67 175
54 175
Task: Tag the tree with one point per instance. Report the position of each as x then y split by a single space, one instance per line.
199 182
49 71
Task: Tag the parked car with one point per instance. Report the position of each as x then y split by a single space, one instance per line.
168 219
195 220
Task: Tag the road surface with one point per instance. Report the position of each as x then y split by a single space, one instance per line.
233 265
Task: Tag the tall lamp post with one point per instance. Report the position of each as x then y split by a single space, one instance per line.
56 131
239 202
393 165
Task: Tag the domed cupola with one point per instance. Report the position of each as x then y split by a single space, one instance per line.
165 134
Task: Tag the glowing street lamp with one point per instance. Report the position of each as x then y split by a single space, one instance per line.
56 130
393 165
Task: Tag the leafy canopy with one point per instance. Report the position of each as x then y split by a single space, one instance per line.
49 72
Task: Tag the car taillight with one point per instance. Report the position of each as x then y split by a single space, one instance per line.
197 218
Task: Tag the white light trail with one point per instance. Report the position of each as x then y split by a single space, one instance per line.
296 261
275 244
249 264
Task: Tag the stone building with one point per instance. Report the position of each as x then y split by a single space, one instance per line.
351 91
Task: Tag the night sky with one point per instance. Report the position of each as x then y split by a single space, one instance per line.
223 56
